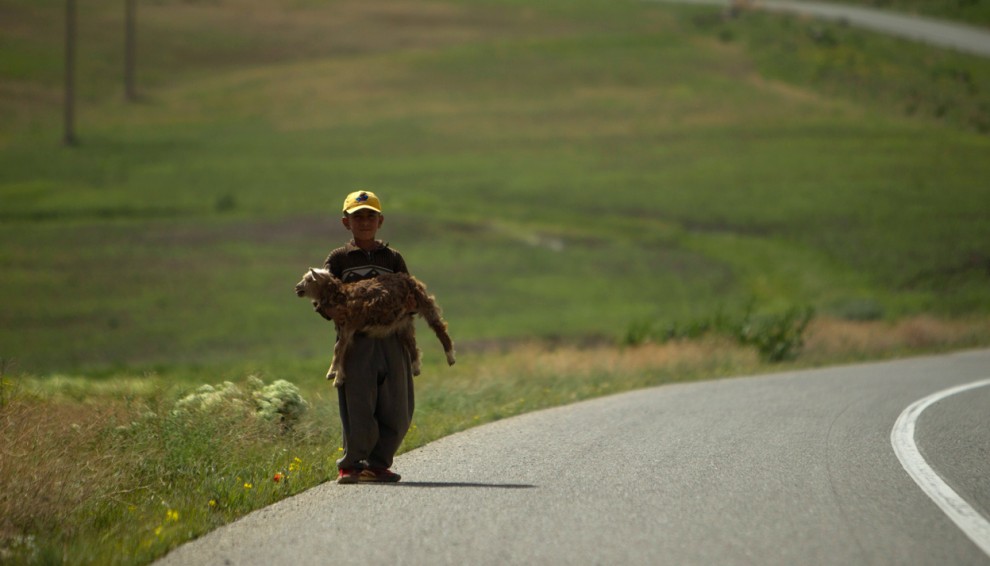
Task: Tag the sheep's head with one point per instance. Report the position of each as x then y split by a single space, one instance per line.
315 283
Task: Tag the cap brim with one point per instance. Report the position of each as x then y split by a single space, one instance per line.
362 207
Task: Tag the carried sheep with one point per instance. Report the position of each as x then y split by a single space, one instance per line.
379 307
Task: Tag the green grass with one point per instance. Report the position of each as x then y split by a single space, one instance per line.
568 172
554 185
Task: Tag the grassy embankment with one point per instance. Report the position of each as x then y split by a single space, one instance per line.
573 174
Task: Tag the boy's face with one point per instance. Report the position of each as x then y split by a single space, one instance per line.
363 224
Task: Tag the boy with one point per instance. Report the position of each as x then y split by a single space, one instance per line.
376 402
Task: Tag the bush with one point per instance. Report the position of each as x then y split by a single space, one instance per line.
776 337
720 323
226 398
638 332
278 402
858 310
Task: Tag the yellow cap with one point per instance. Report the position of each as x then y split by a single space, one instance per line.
362 199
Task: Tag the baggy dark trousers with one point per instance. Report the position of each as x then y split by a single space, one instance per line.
376 402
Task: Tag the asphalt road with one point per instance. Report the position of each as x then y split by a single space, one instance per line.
792 468
952 35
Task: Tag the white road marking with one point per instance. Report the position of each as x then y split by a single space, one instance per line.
976 527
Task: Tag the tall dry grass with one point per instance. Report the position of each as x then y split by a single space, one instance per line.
50 462
120 479
830 340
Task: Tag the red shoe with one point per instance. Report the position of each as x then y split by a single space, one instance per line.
378 475
348 476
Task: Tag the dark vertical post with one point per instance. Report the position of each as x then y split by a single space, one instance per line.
70 72
130 55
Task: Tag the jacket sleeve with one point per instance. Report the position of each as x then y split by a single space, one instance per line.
334 264
400 264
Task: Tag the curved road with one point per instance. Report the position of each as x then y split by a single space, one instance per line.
941 33
791 468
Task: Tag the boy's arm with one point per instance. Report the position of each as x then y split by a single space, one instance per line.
333 266
400 264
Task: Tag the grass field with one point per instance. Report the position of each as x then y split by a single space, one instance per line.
559 173
583 173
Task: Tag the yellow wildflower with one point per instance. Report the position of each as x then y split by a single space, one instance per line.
247 485
171 515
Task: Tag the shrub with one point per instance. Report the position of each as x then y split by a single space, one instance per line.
858 310
278 402
225 397
776 337
638 332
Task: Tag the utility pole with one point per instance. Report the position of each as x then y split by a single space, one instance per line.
130 55
69 138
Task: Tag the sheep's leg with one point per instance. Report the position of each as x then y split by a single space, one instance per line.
339 358
335 359
431 312
407 335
